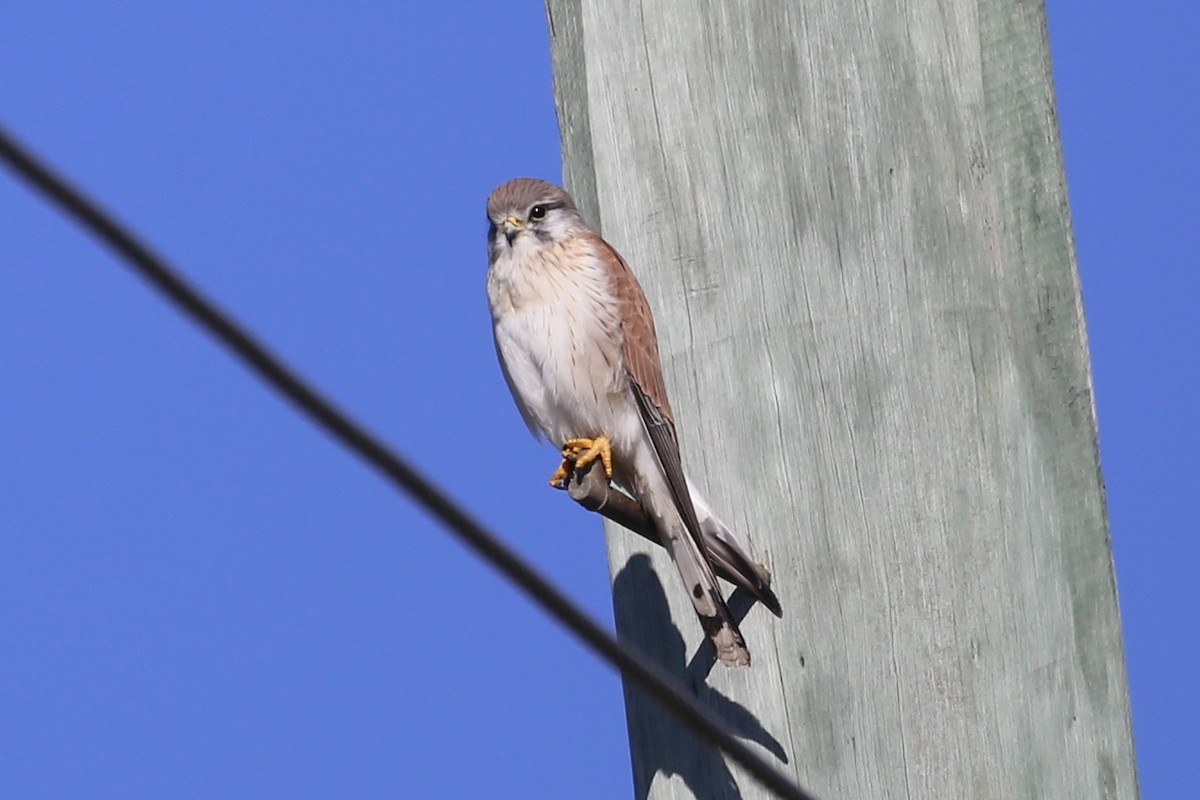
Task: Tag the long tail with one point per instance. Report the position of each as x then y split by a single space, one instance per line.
662 488
697 574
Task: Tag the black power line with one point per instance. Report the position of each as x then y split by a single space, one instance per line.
271 369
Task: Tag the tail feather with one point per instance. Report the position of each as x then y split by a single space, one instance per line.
697 574
731 563
728 558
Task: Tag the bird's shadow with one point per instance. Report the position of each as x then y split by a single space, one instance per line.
665 744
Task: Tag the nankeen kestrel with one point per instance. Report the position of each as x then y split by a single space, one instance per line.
577 346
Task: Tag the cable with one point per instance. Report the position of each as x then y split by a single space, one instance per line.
667 691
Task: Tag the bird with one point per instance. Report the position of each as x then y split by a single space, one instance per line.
576 343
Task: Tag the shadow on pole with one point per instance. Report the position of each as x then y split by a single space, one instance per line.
673 749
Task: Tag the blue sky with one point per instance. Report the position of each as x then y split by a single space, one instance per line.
200 595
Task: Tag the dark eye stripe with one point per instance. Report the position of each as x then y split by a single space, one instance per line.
545 208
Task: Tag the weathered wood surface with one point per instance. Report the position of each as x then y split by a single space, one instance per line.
852 224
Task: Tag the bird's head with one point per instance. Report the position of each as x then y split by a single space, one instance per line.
529 211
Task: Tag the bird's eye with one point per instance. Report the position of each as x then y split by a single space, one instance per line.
537 212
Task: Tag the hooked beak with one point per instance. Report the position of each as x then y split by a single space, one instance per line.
512 226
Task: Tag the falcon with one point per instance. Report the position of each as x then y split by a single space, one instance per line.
577 346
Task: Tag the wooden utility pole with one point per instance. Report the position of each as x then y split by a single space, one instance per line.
852 224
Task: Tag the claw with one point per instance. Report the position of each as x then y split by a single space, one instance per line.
562 475
585 451
578 454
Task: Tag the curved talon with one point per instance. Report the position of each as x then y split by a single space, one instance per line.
562 475
578 454
585 451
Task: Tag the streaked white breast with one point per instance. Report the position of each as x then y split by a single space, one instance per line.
557 330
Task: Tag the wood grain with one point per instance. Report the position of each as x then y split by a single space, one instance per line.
852 225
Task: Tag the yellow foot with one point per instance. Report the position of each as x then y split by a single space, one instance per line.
578 454
562 475
584 451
